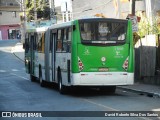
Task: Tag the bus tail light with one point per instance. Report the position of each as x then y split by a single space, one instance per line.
125 64
80 64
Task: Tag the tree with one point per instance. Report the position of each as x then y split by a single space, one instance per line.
146 28
42 9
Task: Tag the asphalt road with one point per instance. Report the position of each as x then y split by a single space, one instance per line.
18 93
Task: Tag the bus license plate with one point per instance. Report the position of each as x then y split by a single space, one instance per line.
103 69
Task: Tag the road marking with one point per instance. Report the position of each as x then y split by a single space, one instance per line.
19 76
15 70
23 68
3 71
110 108
98 104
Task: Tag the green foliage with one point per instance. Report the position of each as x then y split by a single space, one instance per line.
146 27
42 9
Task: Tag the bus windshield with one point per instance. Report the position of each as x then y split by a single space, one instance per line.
103 31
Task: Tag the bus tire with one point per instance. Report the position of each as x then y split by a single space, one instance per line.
108 89
112 89
61 87
40 77
29 67
32 78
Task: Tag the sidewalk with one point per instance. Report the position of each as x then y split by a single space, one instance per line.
18 51
143 89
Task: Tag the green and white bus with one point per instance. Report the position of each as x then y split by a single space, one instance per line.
93 52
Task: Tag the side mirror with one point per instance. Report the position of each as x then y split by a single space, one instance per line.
74 27
24 45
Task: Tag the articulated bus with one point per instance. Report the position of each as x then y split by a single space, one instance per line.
93 52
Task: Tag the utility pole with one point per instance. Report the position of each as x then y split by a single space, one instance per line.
132 4
119 9
52 11
149 11
51 3
66 12
35 13
24 19
117 5
66 9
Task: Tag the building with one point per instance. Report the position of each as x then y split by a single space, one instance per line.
9 19
113 8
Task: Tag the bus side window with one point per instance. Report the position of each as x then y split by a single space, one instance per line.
34 42
39 38
26 43
59 41
52 40
40 42
69 37
65 40
43 42
51 43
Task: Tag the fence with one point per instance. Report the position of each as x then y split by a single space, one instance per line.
146 53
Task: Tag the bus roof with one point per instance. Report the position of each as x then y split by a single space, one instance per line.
66 24
40 29
61 25
98 18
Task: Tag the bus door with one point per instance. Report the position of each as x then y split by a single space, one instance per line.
52 48
32 43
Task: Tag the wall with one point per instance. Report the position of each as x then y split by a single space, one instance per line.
87 8
5 28
8 18
109 8
4 32
145 60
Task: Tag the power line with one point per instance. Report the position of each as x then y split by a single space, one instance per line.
94 8
90 9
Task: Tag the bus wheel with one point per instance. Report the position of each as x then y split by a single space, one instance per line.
61 87
32 78
108 89
112 89
40 77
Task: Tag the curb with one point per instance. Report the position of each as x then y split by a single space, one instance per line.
18 57
12 51
149 94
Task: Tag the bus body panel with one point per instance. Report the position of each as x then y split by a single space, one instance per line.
102 78
39 60
61 61
92 58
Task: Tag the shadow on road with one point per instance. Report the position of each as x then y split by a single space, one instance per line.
80 91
